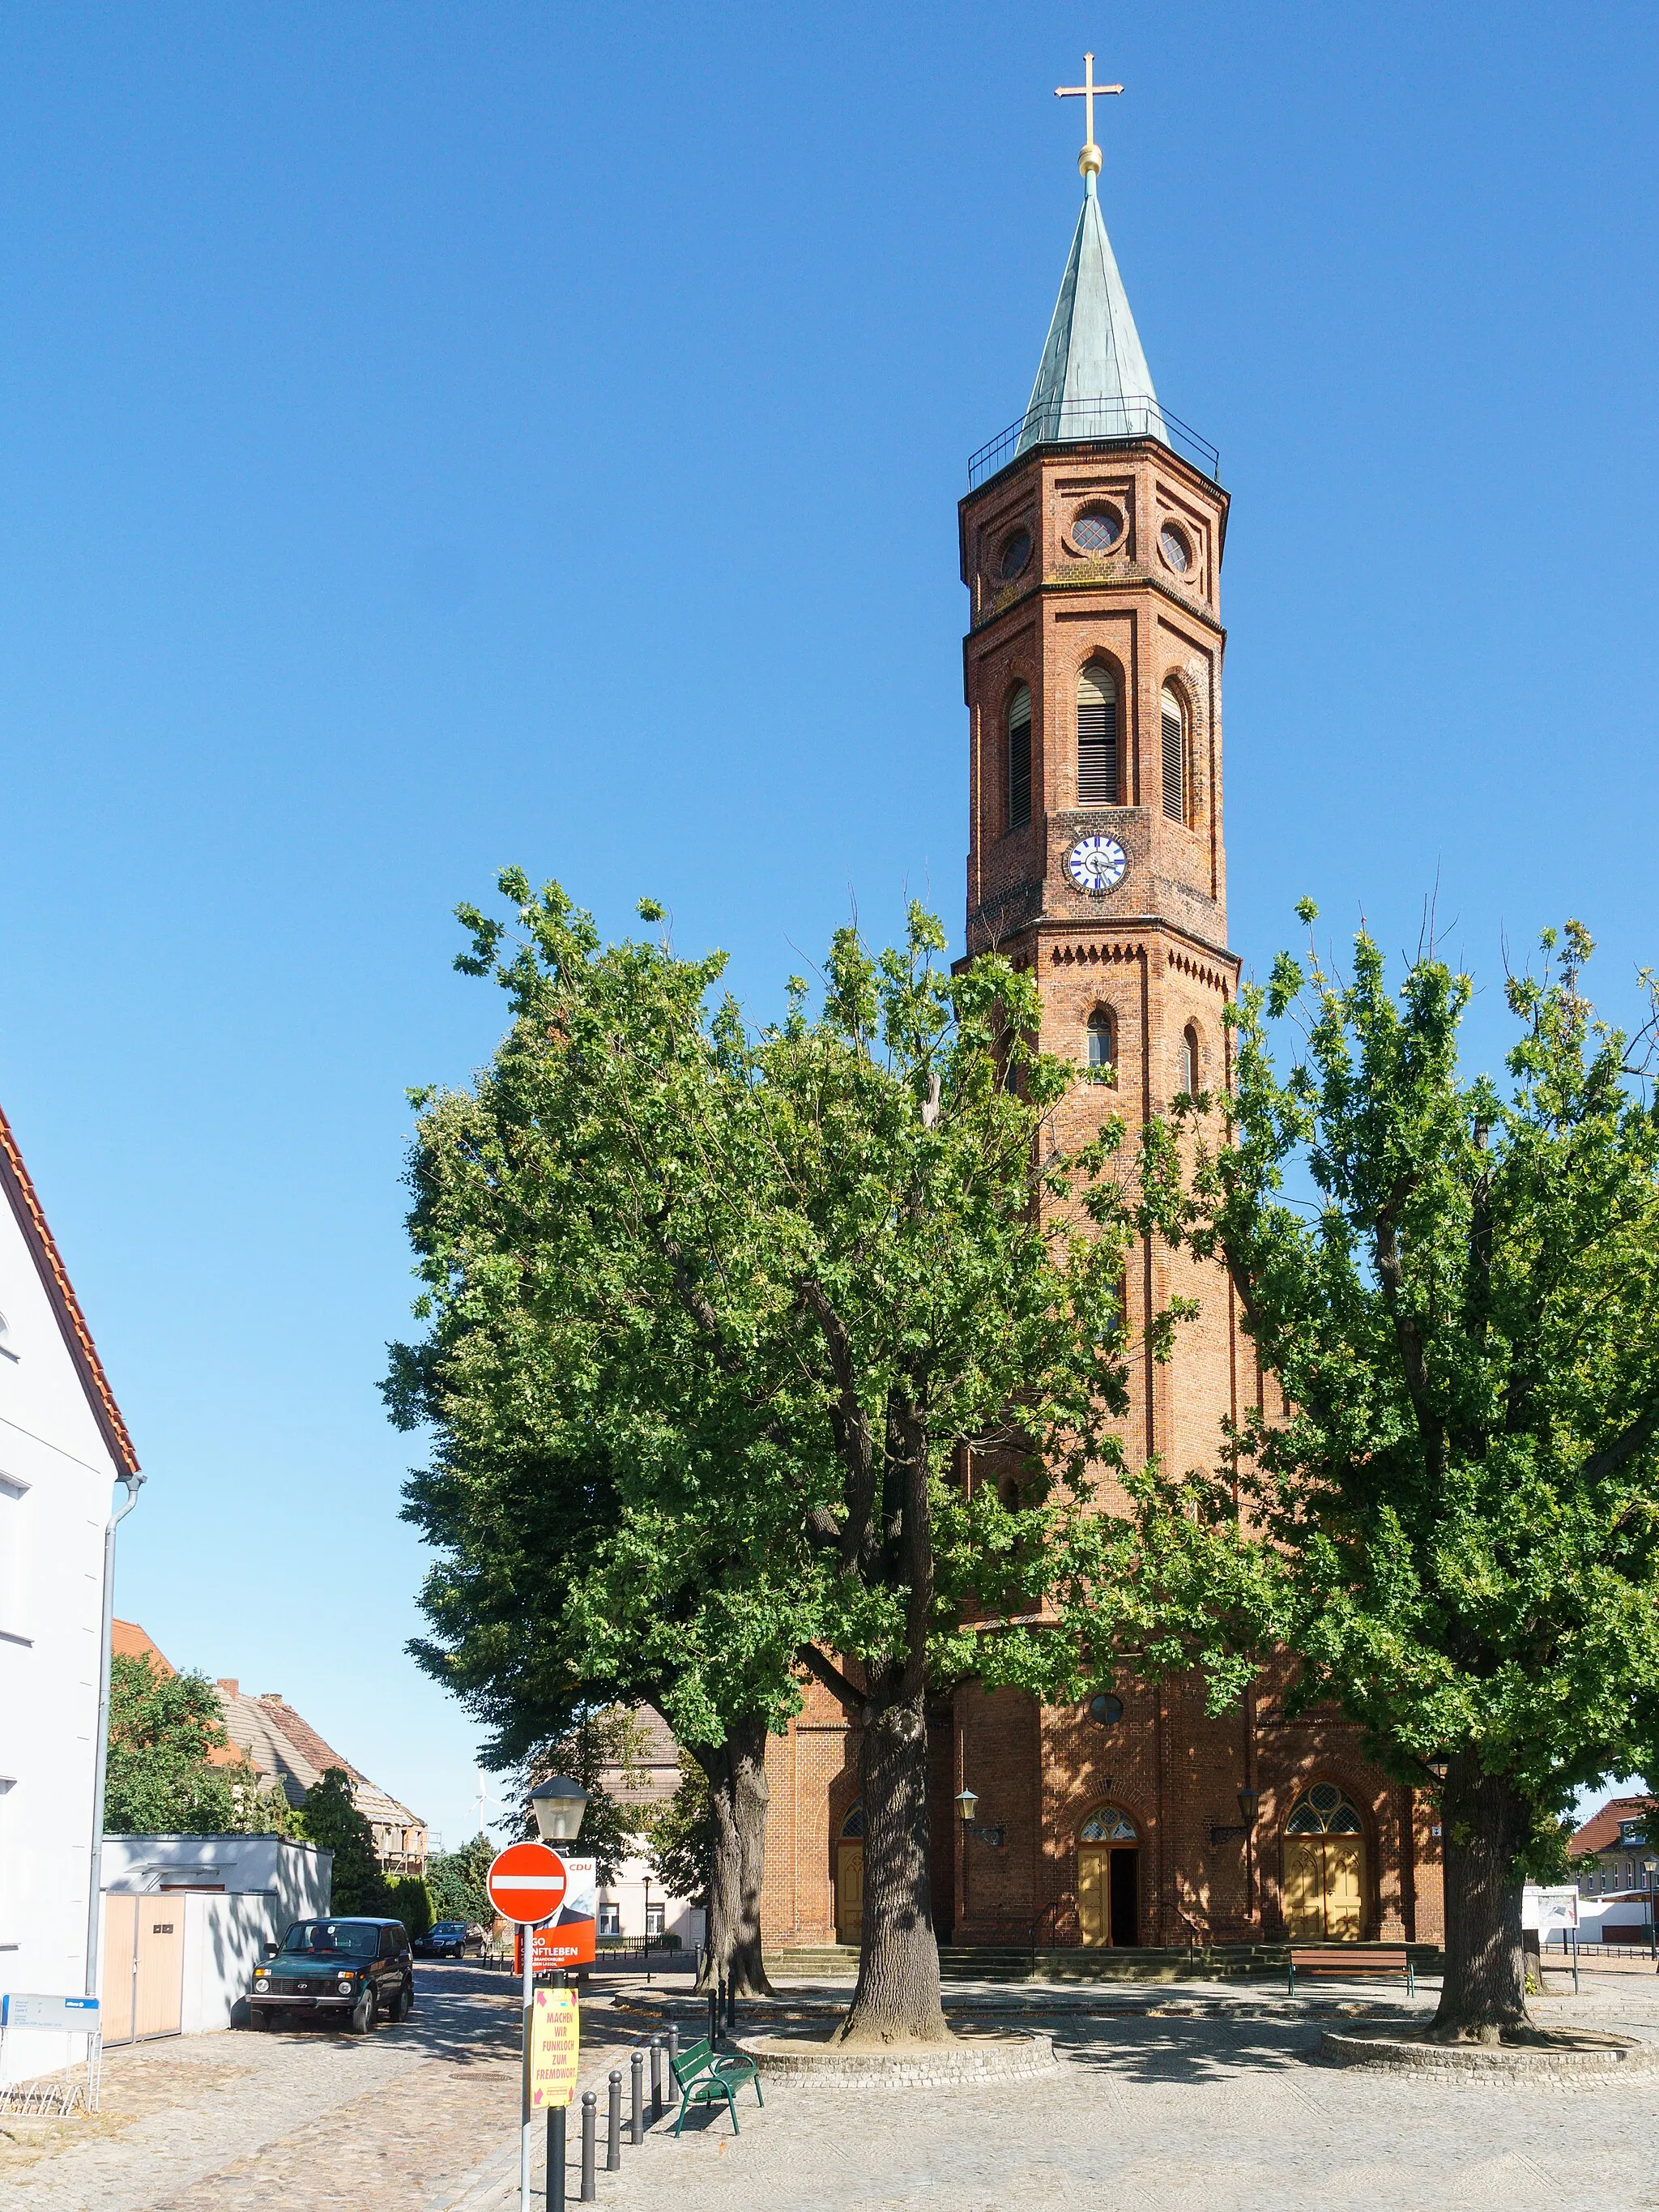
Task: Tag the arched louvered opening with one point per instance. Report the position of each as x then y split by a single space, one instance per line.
1174 755
1097 737
1102 1039
1019 756
1189 1073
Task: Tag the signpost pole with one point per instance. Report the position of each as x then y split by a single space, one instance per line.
555 2144
526 1937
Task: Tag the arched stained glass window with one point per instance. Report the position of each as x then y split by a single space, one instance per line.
1324 1810
1189 1082
1019 756
1174 754
1111 1824
1102 1039
1097 737
852 1827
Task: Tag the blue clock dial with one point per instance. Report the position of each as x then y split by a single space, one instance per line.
1096 864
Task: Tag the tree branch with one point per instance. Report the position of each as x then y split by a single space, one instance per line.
1623 1448
839 1685
853 1430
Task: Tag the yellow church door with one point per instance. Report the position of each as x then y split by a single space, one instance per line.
1344 1887
1324 1868
849 1892
1093 1862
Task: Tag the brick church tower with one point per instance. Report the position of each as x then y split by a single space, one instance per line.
1091 542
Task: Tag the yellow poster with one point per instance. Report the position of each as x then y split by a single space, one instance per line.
553 2035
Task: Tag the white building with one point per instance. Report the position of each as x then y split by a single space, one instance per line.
62 1447
186 1920
635 1905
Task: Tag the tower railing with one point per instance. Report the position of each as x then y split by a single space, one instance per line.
1086 421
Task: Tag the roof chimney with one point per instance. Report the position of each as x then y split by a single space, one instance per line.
228 1683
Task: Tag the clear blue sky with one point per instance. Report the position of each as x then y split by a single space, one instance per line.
432 437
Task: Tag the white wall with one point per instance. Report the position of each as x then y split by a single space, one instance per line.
629 1893
56 1482
296 1877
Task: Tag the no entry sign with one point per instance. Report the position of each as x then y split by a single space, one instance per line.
527 1883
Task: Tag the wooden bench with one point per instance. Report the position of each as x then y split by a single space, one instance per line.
705 2075
1341 1962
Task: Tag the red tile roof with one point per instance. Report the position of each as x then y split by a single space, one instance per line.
1601 1831
49 1262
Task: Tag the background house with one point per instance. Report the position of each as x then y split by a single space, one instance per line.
281 1747
635 1904
62 1447
1615 1886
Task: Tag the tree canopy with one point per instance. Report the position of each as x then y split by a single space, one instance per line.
1455 1523
161 1729
742 1309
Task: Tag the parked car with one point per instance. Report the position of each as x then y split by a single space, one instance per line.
360 1971
447 1939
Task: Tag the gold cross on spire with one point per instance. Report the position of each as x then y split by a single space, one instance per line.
1089 160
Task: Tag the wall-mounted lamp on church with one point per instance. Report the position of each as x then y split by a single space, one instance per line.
967 1805
1248 1801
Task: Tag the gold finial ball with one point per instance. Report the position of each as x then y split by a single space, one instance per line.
1088 161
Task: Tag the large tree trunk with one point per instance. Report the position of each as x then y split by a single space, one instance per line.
738 1796
1484 1824
897 1996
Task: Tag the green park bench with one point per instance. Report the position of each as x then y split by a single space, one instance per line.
705 2075
1341 1963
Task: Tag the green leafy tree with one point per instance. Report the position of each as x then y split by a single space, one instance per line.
680 1837
409 1898
596 1744
456 1880
161 1729
1454 1528
330 1818
770 1300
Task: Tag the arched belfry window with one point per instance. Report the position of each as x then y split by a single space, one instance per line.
1189 1082
1174 755
1097 737
1102 1039
1019 756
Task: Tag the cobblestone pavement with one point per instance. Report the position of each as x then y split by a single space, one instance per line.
296 2122
1187 2098
1205 2099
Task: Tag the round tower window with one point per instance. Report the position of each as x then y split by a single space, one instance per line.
1098 529
1016 552
1172 544
1106 1709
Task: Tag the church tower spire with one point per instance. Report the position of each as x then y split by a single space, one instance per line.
1091 538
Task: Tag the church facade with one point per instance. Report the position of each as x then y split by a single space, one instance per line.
1091 541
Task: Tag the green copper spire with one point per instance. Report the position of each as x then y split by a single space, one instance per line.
1093 381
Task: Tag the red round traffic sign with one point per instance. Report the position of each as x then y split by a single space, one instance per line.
526 1883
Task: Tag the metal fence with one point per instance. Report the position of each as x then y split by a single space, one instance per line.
1093 422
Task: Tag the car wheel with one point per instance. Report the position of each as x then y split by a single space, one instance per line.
362 2017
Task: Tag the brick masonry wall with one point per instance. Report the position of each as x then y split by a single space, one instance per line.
1153 953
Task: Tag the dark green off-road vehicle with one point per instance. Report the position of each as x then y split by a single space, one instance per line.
358 1971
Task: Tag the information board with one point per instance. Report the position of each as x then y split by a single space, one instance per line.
75 2014
554 2043
571 1938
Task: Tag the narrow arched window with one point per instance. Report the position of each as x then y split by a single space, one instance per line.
1097 737
1189 1082
1019 757
1175 757
1102 1040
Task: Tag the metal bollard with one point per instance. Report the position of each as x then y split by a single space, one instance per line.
613 2124
656 2079
673 2061
636 2125
590 2128
713 2012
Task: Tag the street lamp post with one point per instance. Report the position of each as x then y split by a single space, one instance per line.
1650 1867
967 1805
558 1805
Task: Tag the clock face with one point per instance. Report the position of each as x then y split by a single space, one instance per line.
1096 864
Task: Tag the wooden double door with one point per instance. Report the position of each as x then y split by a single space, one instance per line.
1108 1894
1324 1887
144 1968
849 1891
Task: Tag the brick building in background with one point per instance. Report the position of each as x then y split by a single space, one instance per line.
1091 540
